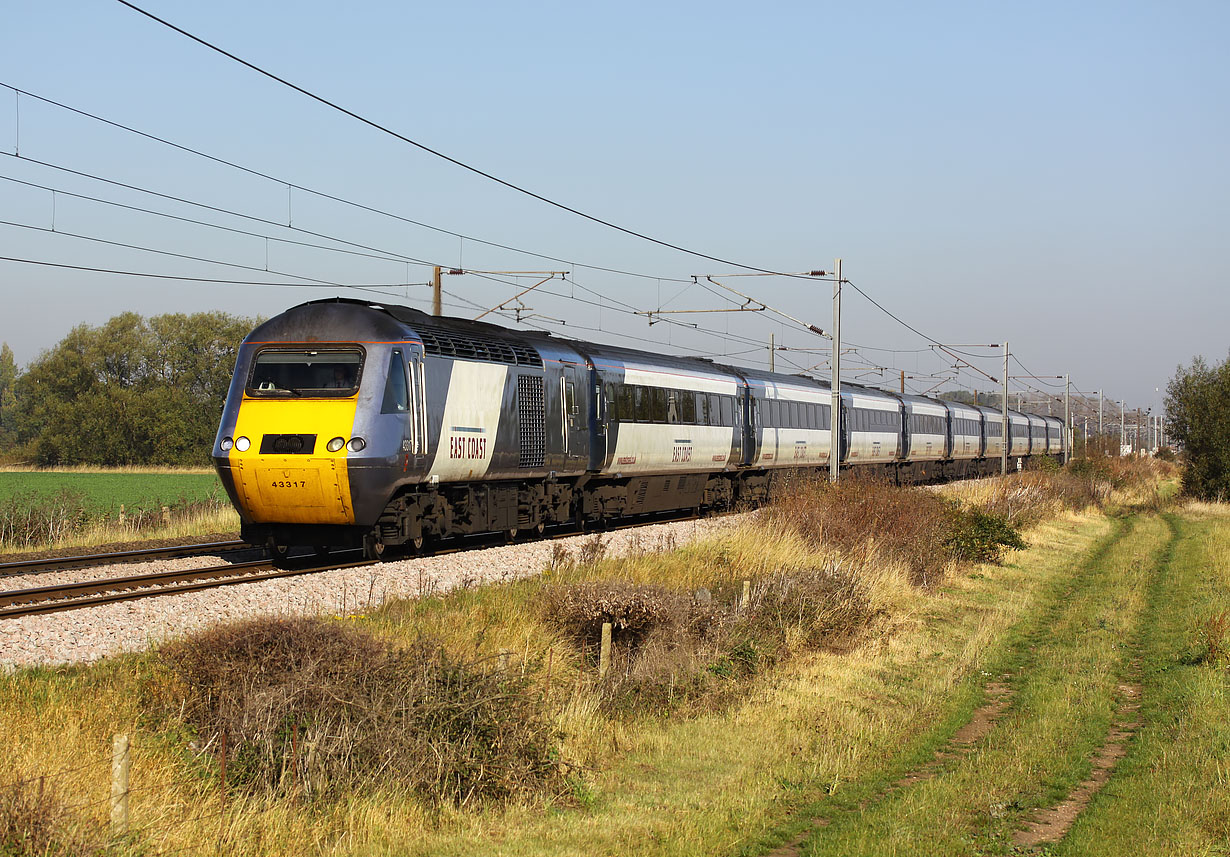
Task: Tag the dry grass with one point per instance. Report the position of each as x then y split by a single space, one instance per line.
319 708
58 526
862 661
35 821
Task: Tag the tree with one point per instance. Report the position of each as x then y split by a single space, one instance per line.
8 396
133 391
1198 417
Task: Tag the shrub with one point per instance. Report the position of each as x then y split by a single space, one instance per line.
314 705
635 610
671 646
980 536
810 609
860 516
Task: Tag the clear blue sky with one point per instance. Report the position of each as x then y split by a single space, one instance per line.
1051 173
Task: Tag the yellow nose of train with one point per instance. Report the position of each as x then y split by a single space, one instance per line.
288 474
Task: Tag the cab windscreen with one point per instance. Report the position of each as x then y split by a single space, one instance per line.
315 373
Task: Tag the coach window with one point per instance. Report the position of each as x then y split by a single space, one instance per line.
640 404
672 407
657 404
627 402
396 389
687 408
726 404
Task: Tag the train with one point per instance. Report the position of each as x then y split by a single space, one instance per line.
355 424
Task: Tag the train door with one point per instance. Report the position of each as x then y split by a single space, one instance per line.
599 409
574 419
903 448
417 435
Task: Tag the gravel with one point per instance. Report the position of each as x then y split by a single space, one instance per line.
91 633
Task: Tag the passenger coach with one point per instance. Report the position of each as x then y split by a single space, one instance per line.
352 423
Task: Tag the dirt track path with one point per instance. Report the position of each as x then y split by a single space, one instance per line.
1059 711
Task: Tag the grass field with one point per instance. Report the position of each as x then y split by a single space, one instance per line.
103 492
43 508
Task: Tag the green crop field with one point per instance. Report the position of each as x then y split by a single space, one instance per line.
102 494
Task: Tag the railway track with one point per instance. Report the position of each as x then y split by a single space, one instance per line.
75 595
35 566
72 596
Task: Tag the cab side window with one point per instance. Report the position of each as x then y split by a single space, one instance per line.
397 388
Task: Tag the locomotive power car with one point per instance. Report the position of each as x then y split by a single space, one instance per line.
350 423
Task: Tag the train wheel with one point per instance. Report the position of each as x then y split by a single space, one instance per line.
277 552
540 528
373 547
510 535
417 543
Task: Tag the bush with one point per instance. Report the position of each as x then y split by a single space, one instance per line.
810 609
635 610
671 647
314 705
980 536
857 517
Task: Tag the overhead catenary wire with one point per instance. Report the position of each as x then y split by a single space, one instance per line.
422 146
198 222
289 185
343 200
325 194
310 281
150 275
398 257
389 255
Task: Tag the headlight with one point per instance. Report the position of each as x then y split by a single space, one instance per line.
226 444
356 444
335 444
242 444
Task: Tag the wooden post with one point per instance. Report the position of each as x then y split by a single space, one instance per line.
166 516
604 656
121 514
222 766
121 763
294 755
505 659
747 594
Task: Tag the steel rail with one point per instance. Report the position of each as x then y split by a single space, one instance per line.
29 602
35 566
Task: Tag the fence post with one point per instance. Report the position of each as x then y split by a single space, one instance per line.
222 766
747 594
604 655
166 516
505 659
121 514
121 762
